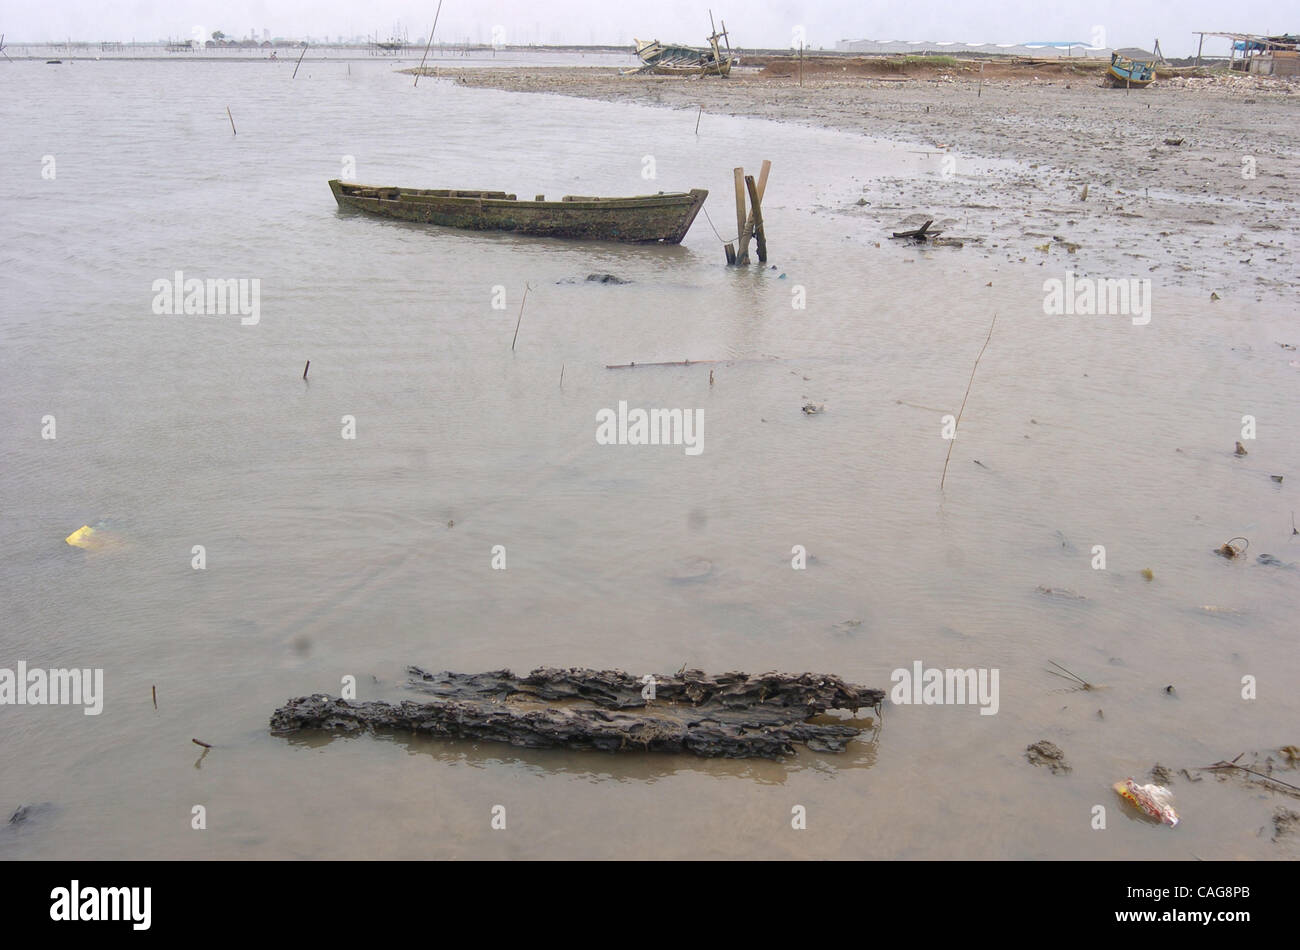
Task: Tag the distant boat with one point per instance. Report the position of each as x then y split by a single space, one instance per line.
670 60
665 217
667 59
54 62
1131 67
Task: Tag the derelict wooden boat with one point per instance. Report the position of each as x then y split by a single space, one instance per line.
1131 67
668 60
664 217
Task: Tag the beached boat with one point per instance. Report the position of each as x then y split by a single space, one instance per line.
1131 67
663 217
667 59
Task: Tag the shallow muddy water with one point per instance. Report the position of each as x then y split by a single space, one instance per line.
328 557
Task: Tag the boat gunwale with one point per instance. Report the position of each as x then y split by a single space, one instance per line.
431 196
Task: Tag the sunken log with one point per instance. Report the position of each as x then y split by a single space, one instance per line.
731 715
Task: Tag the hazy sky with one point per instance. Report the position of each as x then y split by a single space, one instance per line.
753 23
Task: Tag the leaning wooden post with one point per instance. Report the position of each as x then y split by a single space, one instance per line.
757 214
742 244
762 189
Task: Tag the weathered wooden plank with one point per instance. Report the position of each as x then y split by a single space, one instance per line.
756 215
742 233
731 715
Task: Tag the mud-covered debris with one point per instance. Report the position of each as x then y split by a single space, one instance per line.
811 409
733 715
1046 753
1285 822
1161 775
1231 549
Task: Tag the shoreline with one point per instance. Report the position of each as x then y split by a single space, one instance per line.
1215 202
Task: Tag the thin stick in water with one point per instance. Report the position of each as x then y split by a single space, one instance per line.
697 120
299 63
305 368
561 377
155 697
1067 674
232 120
205 745
963 401
427 45
521 316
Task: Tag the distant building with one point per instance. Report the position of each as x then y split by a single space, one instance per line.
1044 50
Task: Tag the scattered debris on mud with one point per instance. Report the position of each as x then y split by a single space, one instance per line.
1046 753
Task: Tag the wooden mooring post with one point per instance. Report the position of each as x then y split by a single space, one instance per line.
749 222
742 241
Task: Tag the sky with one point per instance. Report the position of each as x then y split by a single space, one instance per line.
752 23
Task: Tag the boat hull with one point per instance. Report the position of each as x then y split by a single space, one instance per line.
661 218
1124 72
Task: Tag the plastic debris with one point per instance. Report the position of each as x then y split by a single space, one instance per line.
81 537
1155 801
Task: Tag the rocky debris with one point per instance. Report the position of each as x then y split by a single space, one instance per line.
1047 753
733 715
1233 83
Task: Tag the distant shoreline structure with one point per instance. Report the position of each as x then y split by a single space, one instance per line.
280 50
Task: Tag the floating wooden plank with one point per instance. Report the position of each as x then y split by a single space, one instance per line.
731 715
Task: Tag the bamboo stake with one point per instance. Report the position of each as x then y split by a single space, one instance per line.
155 697
299 63
742 246
963 401
981 87
427 46
697 120
521 317
232 120
305 368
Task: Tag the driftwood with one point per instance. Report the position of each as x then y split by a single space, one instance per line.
919 234
731 715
